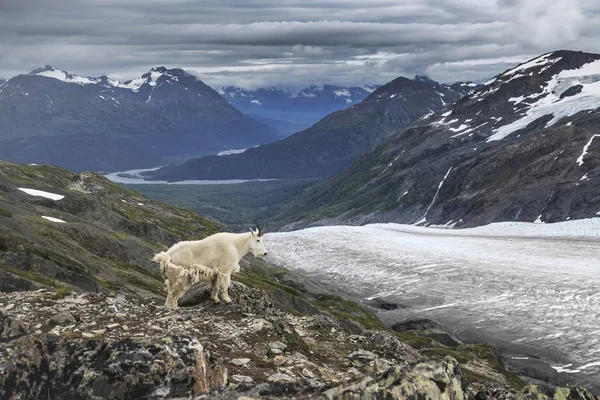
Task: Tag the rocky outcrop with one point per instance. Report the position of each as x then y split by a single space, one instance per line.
50 366
426 380
120 346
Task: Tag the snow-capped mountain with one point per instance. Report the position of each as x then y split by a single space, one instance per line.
331 144
525 147
52 116
302 108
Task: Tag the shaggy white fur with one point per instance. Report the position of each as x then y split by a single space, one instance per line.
215 257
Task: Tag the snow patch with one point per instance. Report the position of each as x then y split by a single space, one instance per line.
66 77
585 150
54 219
536 62
550 102
342 93
41 193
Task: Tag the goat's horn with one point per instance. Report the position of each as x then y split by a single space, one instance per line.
260 230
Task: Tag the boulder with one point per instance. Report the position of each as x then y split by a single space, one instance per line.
48 366
62 318
11 327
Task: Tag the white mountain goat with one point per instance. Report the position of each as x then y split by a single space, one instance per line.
215 257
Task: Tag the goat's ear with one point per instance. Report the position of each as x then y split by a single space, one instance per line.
253 232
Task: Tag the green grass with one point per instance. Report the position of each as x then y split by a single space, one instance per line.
5 213
59 293
417 341
32 276
343 308
258 278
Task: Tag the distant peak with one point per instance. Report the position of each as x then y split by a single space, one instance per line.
169 71
162 70
424 78
42 69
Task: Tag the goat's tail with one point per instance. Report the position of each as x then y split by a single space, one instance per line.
164 259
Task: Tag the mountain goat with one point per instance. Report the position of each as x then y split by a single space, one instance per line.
215 257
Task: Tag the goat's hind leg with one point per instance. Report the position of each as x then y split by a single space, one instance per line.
171 301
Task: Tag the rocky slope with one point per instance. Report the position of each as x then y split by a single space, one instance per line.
52 116
82 315
522 148
331 144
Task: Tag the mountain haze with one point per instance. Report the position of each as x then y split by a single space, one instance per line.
334 142
302 108
52 116
525 147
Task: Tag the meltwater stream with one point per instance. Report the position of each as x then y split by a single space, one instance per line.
529 288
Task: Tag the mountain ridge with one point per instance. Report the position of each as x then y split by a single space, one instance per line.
331 144
49 114
521 148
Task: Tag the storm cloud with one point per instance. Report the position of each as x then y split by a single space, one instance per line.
291 43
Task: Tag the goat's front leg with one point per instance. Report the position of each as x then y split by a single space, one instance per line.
214 295
225 288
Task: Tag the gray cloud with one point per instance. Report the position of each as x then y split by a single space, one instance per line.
291 42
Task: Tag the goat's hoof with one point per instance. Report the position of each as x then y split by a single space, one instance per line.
215 302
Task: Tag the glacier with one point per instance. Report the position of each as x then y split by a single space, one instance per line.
532 289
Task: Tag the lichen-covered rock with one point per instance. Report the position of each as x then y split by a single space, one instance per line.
426 380
62 318
48 366
535 392
11 327
391 347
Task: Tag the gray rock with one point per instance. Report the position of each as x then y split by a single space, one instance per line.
362 356
246 299
241 379
277 345
240 361
11 327
389 346
62 318
280 378
112 309
350 326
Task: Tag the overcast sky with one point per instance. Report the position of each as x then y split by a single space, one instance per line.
291 43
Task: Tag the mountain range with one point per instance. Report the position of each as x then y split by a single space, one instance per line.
334 142
299 108
524 147
52 116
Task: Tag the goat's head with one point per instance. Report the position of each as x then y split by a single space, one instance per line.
257 246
